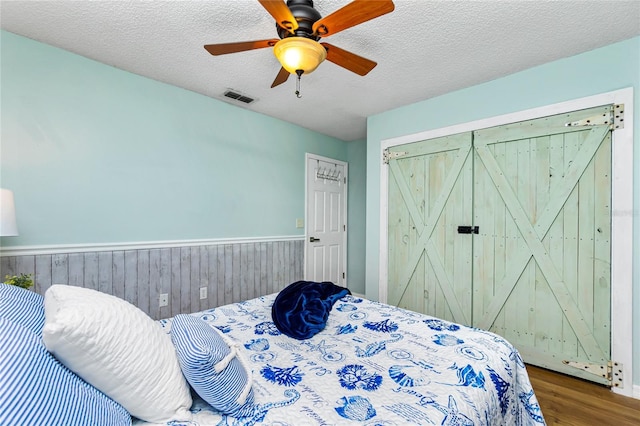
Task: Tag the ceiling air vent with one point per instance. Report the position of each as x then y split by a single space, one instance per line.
238 97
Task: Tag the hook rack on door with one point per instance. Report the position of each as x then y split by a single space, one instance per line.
328 173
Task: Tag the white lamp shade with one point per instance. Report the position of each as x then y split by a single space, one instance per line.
8 226
299 53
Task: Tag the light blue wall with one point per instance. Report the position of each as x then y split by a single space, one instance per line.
98 155
603 70
357 157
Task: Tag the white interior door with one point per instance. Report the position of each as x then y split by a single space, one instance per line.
326 221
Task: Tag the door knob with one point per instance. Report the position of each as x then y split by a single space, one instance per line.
313 239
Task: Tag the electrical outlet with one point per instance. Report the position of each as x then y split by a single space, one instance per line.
203 292
164 299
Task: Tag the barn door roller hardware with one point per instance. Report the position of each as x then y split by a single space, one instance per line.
468 229
611 371
613 116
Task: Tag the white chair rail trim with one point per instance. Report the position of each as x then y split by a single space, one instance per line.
82 248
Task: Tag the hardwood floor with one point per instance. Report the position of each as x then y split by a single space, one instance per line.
565 400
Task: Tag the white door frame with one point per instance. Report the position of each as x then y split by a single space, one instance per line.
307 157
621 212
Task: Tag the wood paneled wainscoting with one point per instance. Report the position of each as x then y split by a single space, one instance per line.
231 271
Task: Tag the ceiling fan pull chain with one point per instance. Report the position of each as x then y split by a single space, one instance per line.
299 73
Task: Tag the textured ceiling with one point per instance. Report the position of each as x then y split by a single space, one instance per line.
424 48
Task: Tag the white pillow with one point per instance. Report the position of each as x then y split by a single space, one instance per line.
117 348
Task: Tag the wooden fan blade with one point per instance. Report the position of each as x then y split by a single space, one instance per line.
241 46
282 76
281 13
348 60
354 13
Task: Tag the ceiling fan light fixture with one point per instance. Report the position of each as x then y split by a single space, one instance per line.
299 53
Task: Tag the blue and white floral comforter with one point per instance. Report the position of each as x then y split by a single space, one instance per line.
374 364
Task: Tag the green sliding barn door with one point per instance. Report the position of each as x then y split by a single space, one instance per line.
536 270
430 193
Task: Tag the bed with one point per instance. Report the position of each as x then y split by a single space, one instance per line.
372 364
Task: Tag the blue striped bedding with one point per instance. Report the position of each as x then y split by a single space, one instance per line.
373 364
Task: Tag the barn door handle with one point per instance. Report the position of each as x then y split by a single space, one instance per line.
313 239
468 229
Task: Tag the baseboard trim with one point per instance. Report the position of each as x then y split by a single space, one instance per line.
636 391
141 245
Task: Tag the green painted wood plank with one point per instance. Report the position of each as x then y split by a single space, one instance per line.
460 211
499 221
570 342
602 247
400 224
445 289
586 238
540 170
483 244
410 173
514 238
554 241
543 167
406 176
527 191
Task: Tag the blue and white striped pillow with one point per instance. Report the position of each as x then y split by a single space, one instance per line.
35 389
22 307
213 365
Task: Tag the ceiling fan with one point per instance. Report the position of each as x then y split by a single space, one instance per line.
300 26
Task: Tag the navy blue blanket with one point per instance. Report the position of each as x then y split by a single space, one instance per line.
301 309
